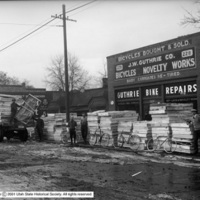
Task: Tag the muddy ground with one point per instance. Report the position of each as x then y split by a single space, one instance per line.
110 174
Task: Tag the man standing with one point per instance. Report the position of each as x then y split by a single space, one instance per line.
84 128
14 107
39 126
72 130
196 124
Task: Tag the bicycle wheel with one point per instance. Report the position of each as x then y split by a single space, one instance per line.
93 139
170 146
152 145
120 140
64 137
134 142
105 140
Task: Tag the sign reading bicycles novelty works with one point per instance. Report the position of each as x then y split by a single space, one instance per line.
157 67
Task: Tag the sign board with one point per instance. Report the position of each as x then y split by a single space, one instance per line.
172 89
128 94
162 48
187 88
161 66
151 91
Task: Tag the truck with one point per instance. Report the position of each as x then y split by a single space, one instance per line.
18 129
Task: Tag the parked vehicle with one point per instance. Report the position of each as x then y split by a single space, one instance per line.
18 129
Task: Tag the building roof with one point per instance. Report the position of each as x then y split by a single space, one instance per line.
83 98
19 89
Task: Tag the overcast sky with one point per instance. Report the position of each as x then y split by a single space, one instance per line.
103 28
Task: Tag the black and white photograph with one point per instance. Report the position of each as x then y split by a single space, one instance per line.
100 99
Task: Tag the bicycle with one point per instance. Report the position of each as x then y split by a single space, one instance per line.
133 140
65 136
100 138
162 141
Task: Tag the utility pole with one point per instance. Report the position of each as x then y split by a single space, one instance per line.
67 99
67 109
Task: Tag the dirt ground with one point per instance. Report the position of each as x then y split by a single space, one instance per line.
110 174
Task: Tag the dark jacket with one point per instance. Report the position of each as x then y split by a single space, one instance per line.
84 123
196 122
72 124
39 123
14 107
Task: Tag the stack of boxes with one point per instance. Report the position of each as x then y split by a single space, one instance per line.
169 120
79 138
49 127
108 126
93 125
143 130
54 127
59 126
183 134
5 107
93 122
170 112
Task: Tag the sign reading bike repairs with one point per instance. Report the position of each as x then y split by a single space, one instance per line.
157 67
186 88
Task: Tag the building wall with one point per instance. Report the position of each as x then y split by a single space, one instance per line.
142 75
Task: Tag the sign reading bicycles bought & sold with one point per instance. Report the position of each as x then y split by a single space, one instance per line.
164 72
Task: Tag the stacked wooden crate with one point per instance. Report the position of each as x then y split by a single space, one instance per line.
5 112
115 122
5 106
125 126
93 121
183 134
143 130
170 112
161 131
125 121
168 120
49 127
78 129
59 126
93 125
108 125
28 109
54 127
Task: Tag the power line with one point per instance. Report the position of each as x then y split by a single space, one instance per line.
81 6
27 32
22 24
83 9
26 35
44 25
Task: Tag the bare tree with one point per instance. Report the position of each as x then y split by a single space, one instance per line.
78 77
7 80
98 81
104 73
192 18
56 74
